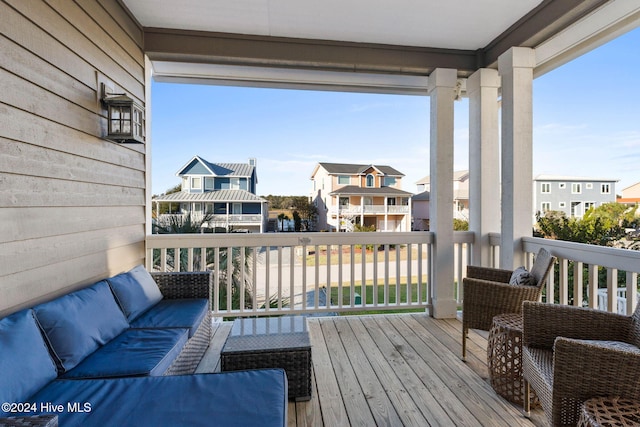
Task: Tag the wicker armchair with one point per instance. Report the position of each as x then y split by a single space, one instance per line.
487 293
571 354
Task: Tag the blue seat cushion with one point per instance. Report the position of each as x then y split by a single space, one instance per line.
25 363
136 291
135 352
230 399
178 313
79 323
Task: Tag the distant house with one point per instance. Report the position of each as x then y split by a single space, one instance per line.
225 192
630 195
420 202
572 195
371 195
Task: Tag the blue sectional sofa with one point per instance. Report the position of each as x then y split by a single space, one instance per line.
123 352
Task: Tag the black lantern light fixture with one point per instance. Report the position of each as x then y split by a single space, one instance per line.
125 117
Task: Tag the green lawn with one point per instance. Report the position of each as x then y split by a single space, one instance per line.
370 291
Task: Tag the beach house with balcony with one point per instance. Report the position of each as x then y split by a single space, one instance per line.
572 195
76 203
369 195
222 193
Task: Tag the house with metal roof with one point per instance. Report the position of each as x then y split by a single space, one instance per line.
222 195
370 195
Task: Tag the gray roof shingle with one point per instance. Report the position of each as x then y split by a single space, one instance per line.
351 169
210 196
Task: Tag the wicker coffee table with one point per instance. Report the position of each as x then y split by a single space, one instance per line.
275 342
504 359
609 411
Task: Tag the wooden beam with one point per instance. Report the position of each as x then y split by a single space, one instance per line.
236 49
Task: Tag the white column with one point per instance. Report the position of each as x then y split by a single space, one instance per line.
441 90
516 68
484 161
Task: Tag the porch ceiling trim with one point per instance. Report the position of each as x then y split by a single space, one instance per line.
182 55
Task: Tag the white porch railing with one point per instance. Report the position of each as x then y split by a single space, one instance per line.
218 218
296 273
370 209
585 274
337 272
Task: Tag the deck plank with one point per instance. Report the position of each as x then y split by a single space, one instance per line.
367 363
351 393
211 360
332 408
393 370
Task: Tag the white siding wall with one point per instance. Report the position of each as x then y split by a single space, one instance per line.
72 205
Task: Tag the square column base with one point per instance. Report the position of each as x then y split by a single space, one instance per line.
444 308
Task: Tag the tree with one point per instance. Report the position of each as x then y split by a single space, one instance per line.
460 225
297 221
602 226
282 218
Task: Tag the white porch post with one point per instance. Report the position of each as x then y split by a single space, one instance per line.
386 214
484 161
441 90
516 68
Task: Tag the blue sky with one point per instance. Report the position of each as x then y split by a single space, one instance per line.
586 123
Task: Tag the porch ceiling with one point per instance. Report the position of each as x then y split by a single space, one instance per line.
371 44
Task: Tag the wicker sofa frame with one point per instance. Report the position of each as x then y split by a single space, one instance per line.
188 285
564 365
487 293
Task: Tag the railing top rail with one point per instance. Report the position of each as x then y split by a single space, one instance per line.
289 239
588 254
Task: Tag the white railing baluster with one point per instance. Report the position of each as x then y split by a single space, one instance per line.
577 284
593 286
376 298
563 281
632 291
612 290
363 276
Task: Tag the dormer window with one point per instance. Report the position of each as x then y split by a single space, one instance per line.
196 183
369 180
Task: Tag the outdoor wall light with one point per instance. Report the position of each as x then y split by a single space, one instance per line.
125 117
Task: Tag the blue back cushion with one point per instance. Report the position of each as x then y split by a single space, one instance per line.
136 291
25 363
79 323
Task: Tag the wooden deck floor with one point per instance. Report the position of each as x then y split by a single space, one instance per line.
394 370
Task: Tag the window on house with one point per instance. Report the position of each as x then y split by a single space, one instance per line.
545 207
185 183
208 183
196 183
370 180
208 208
545 187
235 183
343 180
576 188
343 202
575 209
589 205
391 201
562 205
562 185
605 188
389 181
